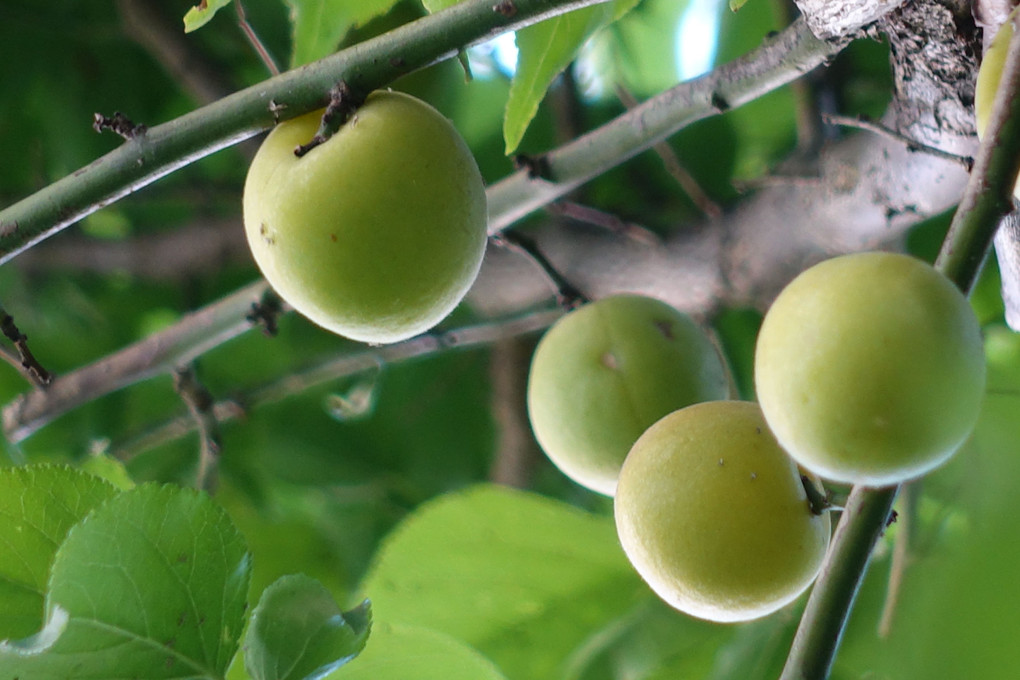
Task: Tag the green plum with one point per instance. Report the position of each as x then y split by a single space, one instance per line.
714 515
605 372
377 233
870 368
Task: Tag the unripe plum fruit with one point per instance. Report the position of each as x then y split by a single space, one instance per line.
375 234
714 515
870 368
605 372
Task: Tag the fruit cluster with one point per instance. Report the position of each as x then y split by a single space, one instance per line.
869 369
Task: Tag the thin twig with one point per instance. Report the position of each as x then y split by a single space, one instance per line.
159 353
604 220
568 295
200 405
346 364
675 168
24 361
900 559
864 123
253 38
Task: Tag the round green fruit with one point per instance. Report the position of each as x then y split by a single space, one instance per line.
605 372
870 368
377 233
714 515
989 76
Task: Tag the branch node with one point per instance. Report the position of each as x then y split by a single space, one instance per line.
265 313
537 167
201 406
719 103
118 123
39 375
505 7
343 103
818 501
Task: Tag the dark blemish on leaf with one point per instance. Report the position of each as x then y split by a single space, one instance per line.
182 558
181 619
170 661
665 328
609 361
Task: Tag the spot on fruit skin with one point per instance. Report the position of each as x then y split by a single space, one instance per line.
267 234
665 328
609 361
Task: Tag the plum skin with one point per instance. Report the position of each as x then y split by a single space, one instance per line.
608 370
870 368
376 234
714 516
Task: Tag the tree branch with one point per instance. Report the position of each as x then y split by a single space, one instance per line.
778 61
986 200
346 364
172 145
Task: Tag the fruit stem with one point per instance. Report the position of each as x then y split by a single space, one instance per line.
343 103
821 628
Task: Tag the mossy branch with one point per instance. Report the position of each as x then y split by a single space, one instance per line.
161 149
986 201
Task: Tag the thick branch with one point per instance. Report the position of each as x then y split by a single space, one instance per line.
172 145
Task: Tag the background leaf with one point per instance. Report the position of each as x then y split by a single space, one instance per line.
297 631
38 506
545 49
505 571
413 653
154 583
320 25
202 13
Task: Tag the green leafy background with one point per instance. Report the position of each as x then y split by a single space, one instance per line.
394 504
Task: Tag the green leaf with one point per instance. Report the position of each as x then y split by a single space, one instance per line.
737 4
545 49
38 506
397 652
109 468
298 632
505 571
320 25
199 15
151 584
